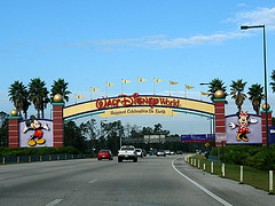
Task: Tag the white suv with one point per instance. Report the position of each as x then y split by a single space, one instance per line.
127 152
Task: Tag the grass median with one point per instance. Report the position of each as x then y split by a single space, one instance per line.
251 176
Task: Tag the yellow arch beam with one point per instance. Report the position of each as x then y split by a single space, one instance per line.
138 104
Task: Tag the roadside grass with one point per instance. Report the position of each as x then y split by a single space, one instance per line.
251 176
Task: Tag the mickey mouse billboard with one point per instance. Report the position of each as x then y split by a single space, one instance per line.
36 133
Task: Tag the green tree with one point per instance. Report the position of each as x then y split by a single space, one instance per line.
60 87
256 95
26 103
3 117
214 85
73 136
19 96
158 130
273 121
237 93
273 81
113 131
147 131
88 130
38 95
4 133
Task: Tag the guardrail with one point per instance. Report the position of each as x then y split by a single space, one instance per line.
38 158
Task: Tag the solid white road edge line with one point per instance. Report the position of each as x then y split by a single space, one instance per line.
211 194
54 202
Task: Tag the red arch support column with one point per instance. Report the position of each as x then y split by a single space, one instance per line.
269 123
58 125
220 131
14 131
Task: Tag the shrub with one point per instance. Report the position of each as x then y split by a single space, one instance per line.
236 154
67 150
37 151
262 158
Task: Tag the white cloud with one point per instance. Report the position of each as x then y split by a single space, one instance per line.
255 17
164 42
158 42
258 16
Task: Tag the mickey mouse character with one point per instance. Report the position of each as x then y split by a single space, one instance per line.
37 136
244 121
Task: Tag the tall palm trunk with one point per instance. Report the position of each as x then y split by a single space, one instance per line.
256 106
239 101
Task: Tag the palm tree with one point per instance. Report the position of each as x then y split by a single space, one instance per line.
158 128
60 87
256 95
214 85
38 95
273 83
147 131
26 103
237 88
19 96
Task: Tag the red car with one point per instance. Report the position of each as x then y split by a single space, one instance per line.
104 154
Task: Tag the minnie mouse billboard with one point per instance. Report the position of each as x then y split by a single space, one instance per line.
243 128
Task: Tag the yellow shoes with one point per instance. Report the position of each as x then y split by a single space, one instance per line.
39 141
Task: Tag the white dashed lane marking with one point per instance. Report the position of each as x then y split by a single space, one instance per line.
54 202
93 181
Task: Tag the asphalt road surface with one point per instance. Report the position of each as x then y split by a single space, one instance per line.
152 181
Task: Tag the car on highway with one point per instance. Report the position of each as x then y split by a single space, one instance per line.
161 153
152 152
127 152
139 152
104 154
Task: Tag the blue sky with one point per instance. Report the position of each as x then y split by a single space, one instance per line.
88 43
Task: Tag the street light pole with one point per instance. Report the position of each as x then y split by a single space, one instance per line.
265 74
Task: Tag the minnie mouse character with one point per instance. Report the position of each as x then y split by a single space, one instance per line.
244 121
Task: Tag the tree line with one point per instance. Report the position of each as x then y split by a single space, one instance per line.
255 92
91 136
36 93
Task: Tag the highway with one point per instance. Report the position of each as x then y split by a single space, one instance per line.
152 181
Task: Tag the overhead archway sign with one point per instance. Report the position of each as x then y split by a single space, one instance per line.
136 104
